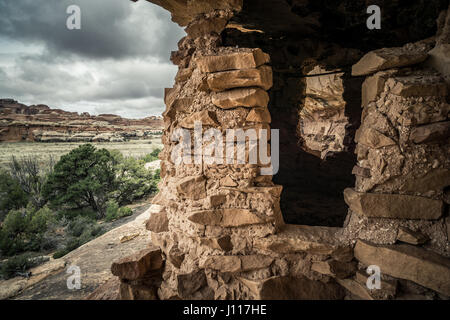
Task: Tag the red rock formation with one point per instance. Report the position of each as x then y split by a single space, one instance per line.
19 122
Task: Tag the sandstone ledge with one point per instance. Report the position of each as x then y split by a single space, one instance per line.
232 61
293 288
408 262
298 238
138 265
394 206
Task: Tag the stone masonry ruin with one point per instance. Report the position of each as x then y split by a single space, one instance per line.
364 139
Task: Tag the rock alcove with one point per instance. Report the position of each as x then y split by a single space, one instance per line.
364 155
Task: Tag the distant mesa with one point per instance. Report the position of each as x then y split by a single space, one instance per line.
40 123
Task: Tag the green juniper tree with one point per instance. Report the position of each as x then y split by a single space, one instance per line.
85 177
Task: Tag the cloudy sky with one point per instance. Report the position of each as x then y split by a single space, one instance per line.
117 63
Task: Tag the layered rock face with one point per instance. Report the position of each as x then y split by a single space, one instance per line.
19 122
216 212
219 228
403 169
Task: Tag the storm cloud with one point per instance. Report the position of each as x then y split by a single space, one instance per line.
117 63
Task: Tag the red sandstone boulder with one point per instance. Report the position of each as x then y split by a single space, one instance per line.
232 61
138 265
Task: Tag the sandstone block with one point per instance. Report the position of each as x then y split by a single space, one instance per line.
357 290
169 95
334 268
260 115
421 266
221 263
225 217
260 77
183 74
372 138
236 263
217 200
205 117
189 283
343 254
221 243
181 104
410 236
192 187
182 57
175 256
293 288
386 58
297 238
228 182
394 206
138 265
362 172
432 132
373 86
158 222
231 61
255 261
137 292
418 86
247 97
176 105
274 191
435 180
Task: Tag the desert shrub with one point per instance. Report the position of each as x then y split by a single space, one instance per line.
71 245
37 227
90 233
125 212
40 221
13 236
76 227
49 241
80 230
84 177
60 253
157 175
113 212
70 214
23 230
11 194
134 181
30 176
152 156
19 265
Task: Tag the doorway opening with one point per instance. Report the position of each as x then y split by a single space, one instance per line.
314 101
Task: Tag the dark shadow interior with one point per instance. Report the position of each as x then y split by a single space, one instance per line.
299 35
